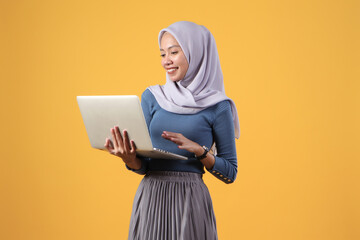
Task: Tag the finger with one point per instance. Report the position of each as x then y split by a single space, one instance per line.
176 140
126 142
171 134
173 139
111 144
113 134
165 136
133 146
119 138
108 145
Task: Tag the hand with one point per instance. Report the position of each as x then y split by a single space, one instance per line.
183 142
121 146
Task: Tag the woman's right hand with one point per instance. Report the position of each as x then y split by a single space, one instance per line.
121 146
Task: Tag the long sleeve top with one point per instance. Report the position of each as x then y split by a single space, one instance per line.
213 124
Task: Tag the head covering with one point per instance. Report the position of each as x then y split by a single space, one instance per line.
203 84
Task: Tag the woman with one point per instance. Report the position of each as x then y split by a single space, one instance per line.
186 116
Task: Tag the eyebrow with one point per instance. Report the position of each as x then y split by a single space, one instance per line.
170 47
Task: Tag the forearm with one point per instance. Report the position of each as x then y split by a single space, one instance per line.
225 166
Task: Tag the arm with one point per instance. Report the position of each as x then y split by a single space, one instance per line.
146 105
225 166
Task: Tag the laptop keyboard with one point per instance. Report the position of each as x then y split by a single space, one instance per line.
161 150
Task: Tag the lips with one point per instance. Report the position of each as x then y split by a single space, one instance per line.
171 70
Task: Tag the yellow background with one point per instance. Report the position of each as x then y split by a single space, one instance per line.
292 68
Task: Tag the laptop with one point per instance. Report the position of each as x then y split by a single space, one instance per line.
100 113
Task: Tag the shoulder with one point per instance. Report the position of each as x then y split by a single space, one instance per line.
147 94
148 97
148 101
222 106
219 109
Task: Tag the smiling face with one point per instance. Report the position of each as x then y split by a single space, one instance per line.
173 58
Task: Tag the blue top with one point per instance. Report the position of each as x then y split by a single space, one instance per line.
213 124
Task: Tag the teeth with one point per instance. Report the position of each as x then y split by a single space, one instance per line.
171 70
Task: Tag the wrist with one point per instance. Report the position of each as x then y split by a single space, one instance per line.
130 160
134 164
199 151
204 153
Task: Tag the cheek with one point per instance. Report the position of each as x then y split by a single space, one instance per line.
162 62
184 64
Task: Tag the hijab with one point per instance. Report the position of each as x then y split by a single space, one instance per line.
203 84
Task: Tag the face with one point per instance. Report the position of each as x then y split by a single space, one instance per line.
173 58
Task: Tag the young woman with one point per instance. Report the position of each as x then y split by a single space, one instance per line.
187 115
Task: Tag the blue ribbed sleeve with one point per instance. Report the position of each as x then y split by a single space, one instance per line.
225 167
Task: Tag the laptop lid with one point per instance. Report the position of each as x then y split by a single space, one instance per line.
100 113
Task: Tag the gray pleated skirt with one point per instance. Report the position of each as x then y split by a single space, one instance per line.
172 206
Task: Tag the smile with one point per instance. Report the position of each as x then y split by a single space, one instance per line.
171 70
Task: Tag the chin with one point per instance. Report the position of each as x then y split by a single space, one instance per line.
175 79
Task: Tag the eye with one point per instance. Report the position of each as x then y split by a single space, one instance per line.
175 52
162 55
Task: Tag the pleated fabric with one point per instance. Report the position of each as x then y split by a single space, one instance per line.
172 206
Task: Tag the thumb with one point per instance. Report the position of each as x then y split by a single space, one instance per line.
133 146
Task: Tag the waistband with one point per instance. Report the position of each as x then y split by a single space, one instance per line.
174 176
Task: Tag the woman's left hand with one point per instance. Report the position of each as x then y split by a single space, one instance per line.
183 142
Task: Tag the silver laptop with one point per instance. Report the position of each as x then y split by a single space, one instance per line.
100 113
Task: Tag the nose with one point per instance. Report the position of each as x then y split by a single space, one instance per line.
167 60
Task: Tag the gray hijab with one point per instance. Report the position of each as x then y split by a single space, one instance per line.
203 85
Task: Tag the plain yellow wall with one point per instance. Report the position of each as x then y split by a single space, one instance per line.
292 68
